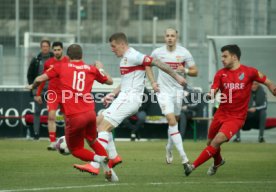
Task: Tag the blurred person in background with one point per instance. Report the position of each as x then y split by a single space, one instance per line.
54 92
169 93
256 113
35 69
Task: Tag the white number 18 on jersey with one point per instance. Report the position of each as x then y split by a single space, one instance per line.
79 81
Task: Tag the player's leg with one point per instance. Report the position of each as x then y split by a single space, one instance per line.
262 120
166 107
114 158
228 128
91 138
52 129
36 125
175 136
75 134
178 138
91 135
123 106
212 132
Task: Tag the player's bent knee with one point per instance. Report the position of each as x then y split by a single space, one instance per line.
218 140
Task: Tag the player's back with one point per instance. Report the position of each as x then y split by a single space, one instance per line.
76 84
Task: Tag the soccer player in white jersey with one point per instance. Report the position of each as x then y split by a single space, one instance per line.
128 94
169 93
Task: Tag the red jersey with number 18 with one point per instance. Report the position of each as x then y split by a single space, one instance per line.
235 87
76 80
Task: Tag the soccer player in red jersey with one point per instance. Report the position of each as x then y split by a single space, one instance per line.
54 92
76 79
234 82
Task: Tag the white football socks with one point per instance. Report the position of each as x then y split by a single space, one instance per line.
103 138
111 148
176 139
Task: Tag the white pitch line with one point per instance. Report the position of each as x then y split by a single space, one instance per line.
133 184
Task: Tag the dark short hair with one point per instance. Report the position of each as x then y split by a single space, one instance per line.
45 41
120 37
57 44
233 49
74 52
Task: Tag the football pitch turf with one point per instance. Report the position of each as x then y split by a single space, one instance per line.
28 166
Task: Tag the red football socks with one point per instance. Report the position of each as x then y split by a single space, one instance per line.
83 154
52 136
205 155
98 148
217 157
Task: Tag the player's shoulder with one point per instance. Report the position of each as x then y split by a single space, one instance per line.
159 51
133 54
91 68
249 69
181 48
65 59
162 48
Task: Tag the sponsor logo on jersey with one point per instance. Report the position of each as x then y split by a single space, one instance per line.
125 61
236 86
178 58
241 77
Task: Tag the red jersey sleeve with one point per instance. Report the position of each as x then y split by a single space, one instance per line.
258 76
53 72
217 82
147 61
40 88
100 77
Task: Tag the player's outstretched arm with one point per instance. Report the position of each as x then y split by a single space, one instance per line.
191 71
39 79
271 86
167 69
99 65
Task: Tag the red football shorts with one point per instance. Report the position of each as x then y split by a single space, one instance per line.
53 101
227 125
79 127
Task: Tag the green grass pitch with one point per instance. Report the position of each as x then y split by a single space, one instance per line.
28 166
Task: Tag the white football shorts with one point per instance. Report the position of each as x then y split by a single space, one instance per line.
125 105
170 102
